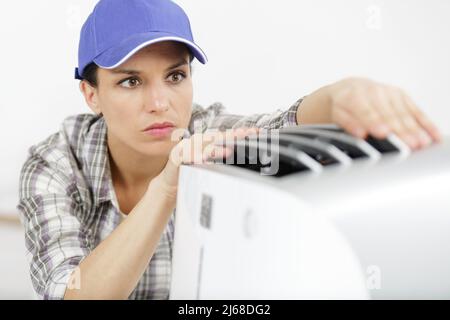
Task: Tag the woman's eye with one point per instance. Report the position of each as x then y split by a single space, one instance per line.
177 77
130 83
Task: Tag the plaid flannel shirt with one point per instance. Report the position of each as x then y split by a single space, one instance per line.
67 202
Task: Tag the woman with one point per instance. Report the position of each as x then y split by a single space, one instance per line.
97 198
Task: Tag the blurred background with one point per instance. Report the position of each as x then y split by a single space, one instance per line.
263 55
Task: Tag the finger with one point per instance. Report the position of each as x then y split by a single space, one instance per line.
366 115
209 151
410 131
233 134
178 153
179 133
392 117
205 144
423 120
213 152
201 145
388 120
349 123
189 151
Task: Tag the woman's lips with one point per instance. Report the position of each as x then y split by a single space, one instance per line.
160 132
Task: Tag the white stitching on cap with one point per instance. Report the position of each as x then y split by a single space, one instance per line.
151 42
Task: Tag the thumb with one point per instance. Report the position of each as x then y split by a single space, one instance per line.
171 170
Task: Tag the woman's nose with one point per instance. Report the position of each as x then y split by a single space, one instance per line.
156 101
160 105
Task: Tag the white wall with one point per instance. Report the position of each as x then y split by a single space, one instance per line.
263 56
15 281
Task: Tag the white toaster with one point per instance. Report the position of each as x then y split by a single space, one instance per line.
341 218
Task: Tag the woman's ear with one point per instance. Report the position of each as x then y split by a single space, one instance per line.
90 94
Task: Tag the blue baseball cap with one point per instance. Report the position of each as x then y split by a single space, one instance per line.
117 29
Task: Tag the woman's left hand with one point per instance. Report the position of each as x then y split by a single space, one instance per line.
362 106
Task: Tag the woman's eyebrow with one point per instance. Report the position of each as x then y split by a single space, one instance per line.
127 71
180 63
136 72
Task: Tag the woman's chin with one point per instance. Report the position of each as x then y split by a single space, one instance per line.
159 151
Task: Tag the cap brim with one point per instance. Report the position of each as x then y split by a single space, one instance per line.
115 56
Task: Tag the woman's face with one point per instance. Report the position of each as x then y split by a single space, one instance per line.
153 86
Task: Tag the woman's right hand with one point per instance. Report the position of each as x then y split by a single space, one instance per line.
200 148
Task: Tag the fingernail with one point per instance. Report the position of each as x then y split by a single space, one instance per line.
424 138
411 141
437 136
